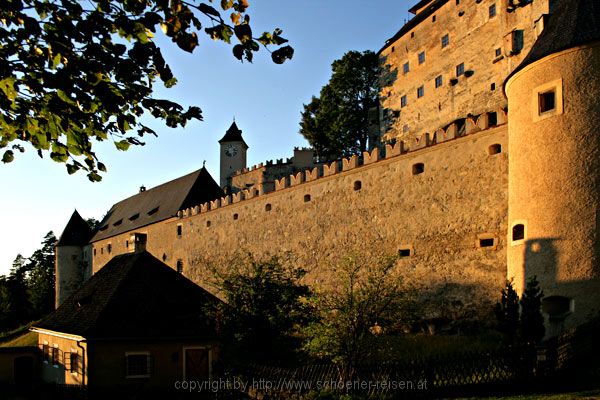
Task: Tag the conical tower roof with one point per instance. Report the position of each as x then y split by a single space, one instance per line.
76 233
233 134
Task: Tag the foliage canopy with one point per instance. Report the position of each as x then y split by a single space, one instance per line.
74 72
336 123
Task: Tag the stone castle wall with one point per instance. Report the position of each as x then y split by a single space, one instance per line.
474 37
378 208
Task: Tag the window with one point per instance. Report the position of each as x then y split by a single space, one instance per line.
421 57
498 52
547 101
418 168
51 354
72 362
208 224
179 230
94 252
164 257
180 266
403 101
433 19
405 251
439 81
393 49
268 207
127 244
306 198
492 86
101 250
406 68
134 217
487 242
153 211
495 149
357 185
457 2
492 11
420 91
119 222
235 216
445 40
412 35
138 365
518 232
460 69
109 248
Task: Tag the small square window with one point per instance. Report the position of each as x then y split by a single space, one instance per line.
420 91
439 81
406 251
518 232
418 168
460 69
179 230
547 101
137 365
492 11
421 57
445 40
498 52
406 68
457 2
403 101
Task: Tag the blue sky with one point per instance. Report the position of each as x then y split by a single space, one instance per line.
266 100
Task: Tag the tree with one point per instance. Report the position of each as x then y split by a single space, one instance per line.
507 313
74 72
532 320
365 301
40 283
265 306
336 124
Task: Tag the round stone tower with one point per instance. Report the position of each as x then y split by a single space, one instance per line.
554 166
72 258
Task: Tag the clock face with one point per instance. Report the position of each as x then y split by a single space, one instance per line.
231 150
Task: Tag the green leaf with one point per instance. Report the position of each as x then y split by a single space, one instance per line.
65 97
206 9
94 177
56 61
280 55
243 32
8 156
71 169
122 145
101 167
7 85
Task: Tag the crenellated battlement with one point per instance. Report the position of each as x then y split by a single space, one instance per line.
459 128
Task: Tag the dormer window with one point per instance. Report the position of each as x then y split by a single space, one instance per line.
134 217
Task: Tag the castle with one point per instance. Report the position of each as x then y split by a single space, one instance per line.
488 168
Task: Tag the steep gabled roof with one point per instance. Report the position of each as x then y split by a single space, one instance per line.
135 296
233 134
76 233
573 23
159 203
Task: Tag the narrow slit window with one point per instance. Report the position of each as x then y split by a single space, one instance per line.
421 57
405 252
420 91
179 230
495 149
445 40
418 168
492 11
406 68
180 266
357 185
109 248
492 87
460 69
208 224
518 232
306 198
439 81
487 242
403 101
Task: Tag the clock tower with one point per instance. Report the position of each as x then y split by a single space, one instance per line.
233 153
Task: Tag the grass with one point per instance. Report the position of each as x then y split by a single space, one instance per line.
587 395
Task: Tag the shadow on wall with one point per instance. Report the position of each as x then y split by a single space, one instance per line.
541 260
388 77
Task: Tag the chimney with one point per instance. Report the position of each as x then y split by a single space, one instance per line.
142 188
